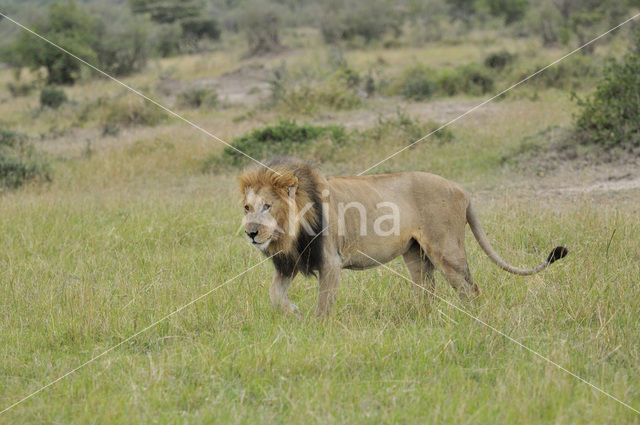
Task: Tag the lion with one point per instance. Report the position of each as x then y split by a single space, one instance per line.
317 225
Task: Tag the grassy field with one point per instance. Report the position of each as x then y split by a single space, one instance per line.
130 229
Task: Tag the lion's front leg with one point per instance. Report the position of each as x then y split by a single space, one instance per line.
328 282
278 293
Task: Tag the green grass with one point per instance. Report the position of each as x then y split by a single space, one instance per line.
128 233
83 272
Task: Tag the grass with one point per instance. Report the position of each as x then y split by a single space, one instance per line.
86 271
132 231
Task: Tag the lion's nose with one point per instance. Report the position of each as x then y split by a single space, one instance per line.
252 235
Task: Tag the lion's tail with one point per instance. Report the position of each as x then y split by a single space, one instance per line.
472 218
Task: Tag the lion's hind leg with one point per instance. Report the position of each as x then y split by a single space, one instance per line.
420 268
449 255
458 275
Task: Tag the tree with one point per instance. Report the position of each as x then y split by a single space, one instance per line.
68 26
181 23
511 10
260 20
370 20
124 43
611 115
199 28
167 11
462 10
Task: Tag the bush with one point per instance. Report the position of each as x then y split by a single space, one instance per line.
510 10
199 28
129 111
11 139
284 138
67 25
546 20
167 11
260 21
450 82
19 89
339 90
19 163
476 79
611 115
52 97
572 73
404 127
167 40
124 44
195 98
180 24
420 83
416 83
499 60
370 20
119 43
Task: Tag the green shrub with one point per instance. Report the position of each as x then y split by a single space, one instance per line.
477 79
611 115
195 98
499 60
546 20
307 98
167 40
420 83
19 162
450 82
115 41
129 111
510 10
125 43
284 138
167 11
349 76
369 20
572 73
260 20
405 128
52 97
416 83
339 90
200 27
11 139
19 89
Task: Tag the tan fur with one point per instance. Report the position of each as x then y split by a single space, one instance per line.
432 220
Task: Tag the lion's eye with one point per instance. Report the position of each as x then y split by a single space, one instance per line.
266 207
246 208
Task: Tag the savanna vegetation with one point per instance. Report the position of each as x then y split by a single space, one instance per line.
114 213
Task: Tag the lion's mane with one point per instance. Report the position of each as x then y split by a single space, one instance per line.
297 250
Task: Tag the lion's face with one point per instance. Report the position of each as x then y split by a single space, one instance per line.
264 212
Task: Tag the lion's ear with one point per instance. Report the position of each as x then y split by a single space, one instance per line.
284 181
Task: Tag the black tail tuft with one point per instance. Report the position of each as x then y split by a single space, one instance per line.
557 253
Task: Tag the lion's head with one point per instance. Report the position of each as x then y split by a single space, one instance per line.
283 212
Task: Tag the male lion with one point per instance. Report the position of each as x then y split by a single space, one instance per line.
310 223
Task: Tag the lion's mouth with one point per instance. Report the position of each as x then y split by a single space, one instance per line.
261 245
